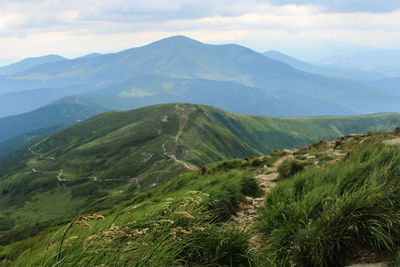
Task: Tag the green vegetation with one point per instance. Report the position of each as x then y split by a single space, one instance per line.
155 228
289 168
117 155
46 119
328 217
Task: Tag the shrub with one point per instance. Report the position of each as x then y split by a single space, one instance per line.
250 186
289 168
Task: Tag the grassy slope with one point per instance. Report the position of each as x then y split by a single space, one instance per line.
335 216
320 217
127 145
48 116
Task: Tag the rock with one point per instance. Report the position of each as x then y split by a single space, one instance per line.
311 157
392 142
337 153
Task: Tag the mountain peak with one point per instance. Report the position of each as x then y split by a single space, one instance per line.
177 39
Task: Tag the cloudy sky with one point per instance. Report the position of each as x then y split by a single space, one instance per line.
308 29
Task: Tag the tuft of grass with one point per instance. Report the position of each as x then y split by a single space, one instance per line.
250 186
288 168
180 231
322 217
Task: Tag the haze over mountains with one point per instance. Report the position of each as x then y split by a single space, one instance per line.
29 63
335 71
180 69
381 60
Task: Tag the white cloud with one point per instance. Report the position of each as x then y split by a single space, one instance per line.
71 28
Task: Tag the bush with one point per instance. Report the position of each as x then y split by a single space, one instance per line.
249 186
289 168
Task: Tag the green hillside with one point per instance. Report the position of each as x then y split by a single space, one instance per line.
116 155
64 112
338 207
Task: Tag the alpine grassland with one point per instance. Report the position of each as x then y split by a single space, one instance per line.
184 222
190 185
335 215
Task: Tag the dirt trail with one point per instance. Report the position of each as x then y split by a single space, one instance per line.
247 213
172 156
137 182
183 115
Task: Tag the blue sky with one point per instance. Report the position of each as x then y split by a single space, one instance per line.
308 29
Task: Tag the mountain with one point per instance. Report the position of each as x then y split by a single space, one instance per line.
26 101
287 206
379 60
235 97
63 112
388 85
117 154
326 70
181 57
29 63
155 89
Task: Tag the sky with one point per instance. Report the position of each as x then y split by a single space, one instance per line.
306 29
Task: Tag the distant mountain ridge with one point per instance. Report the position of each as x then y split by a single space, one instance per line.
180 57
58 113
326 70
29 63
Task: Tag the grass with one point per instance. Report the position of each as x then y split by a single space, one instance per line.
176 223
321 217
288 168
125 145
108 146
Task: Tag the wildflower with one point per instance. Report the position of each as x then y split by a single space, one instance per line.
185 214
183 231
166 221
71 238
83 223
91 237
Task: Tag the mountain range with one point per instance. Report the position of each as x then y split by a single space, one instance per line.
335 71
210 66
176 143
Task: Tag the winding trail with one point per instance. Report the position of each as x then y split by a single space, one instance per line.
94 178
172 156
247 213
183 115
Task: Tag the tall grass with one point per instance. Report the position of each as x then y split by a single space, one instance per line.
322 217
187 229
